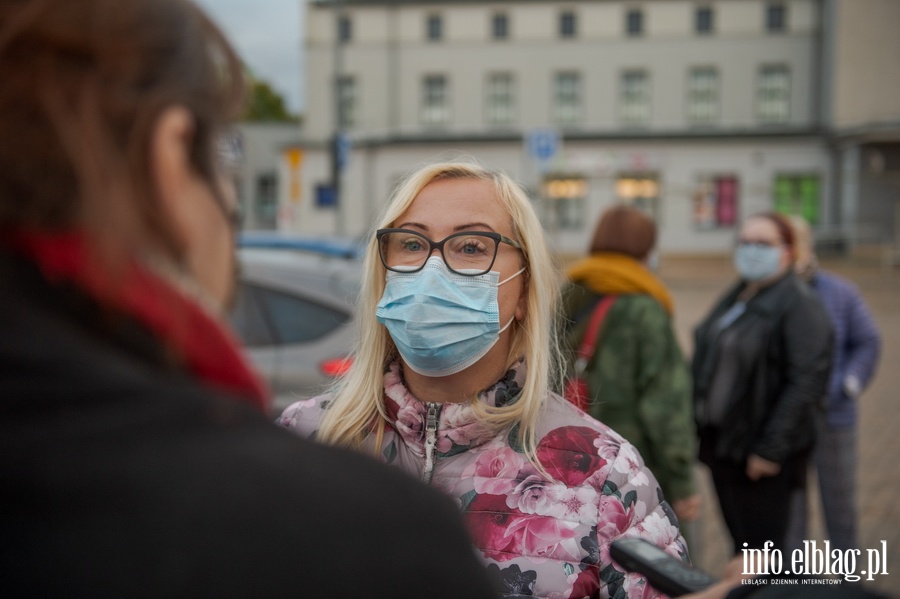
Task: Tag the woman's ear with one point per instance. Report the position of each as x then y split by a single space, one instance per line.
172 171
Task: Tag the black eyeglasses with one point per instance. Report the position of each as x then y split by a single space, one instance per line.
469 253
759 243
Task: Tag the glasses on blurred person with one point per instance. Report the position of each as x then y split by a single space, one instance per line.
228 160
468 253
760 243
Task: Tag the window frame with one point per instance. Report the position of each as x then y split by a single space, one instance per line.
779 24
710 207
634 22
633 113
698 94
567 212
500 26
568 103
347 101
704 20
495 106
641 181
568 24
435 114
344 29
434 27
769 96
805 194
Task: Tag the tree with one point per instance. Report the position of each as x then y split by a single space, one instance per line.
264 103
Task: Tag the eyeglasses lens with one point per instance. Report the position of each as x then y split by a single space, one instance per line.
465 253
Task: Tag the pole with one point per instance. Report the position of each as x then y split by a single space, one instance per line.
339 224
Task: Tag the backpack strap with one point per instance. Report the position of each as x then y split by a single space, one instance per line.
589 342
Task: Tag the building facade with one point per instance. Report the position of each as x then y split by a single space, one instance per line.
254 151
699 112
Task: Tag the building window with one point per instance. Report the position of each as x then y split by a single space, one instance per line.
265 205
634 22
716 202
564 197
776 17
635 97
567 98
640 190
703 20
500 26
797 194
434 28
500 99
435 101
347 101
345 29
568 24
773 95
703 95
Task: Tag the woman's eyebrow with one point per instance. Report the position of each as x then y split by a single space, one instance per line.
468 226
408 225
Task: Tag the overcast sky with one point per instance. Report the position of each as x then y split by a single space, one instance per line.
268 37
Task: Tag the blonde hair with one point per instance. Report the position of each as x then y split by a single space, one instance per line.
804 246
357 408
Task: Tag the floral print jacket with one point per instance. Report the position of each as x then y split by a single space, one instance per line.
542 538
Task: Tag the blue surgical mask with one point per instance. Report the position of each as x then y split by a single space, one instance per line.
440 321
756 262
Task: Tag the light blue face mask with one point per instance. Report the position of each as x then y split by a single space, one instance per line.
441 322
756 262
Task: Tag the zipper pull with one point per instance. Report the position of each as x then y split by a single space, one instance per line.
431 423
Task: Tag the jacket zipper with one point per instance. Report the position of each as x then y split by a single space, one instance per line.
431 422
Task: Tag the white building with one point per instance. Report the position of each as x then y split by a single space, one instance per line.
255 150
700 112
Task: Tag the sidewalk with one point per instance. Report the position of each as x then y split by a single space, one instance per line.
696 283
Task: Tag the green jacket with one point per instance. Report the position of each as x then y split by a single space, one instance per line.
639 382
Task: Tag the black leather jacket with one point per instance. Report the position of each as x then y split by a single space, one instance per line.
781 352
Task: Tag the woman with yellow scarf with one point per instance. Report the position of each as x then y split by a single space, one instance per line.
638 380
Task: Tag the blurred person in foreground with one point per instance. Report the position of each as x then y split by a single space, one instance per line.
452 381
761 363
639 382
136 457
856 350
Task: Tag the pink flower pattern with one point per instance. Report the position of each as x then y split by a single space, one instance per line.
534 494
550 534
495 469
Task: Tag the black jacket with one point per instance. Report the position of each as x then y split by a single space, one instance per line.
783 354
121 476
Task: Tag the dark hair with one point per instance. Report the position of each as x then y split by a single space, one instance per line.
624 230
785 229
83 85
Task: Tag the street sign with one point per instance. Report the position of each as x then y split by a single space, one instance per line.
294 158
542 144
325 196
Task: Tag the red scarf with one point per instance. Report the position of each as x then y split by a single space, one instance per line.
207 348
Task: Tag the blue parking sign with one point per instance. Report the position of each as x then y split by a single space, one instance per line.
543 143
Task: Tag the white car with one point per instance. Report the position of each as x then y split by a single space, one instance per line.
294 311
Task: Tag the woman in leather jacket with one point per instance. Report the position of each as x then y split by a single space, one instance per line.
760 367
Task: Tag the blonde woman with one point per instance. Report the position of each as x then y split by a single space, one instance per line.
452 379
